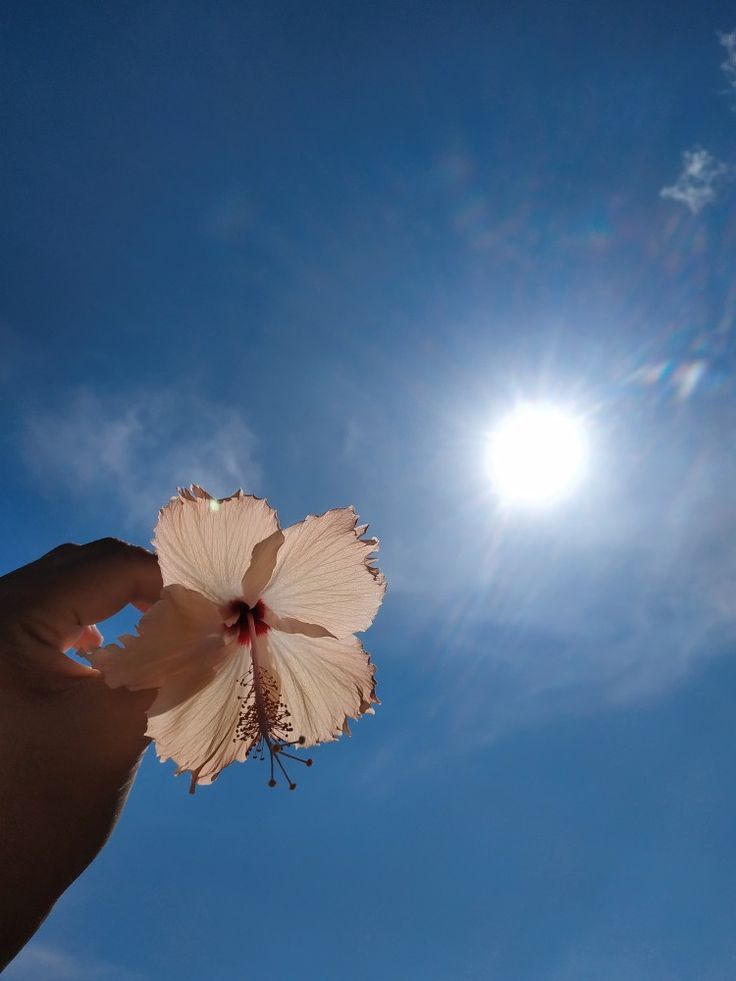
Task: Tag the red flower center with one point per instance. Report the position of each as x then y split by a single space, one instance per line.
241 610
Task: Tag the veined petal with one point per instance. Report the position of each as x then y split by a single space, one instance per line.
324 574
206 544
181 633
200 732
323 682
289 625
260 570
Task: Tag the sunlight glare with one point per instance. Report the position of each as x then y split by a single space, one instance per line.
536 455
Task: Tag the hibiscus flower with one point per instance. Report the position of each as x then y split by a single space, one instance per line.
252 645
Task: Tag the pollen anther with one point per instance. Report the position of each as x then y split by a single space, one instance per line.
264 721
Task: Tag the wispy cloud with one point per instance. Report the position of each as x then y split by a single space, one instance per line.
681 378
54 964
136 450
728 67
699 181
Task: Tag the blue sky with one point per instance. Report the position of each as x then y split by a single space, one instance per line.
316 250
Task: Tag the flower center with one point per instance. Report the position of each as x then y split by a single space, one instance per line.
240 610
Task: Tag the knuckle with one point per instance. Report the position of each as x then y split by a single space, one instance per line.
108 544
109 548
62 551
117 549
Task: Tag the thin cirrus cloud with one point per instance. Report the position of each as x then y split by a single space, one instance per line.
135 450
699 180
728 67
40 960
679 378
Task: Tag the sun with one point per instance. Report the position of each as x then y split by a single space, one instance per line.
536 455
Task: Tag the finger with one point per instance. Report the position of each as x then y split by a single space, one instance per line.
75 586
88 640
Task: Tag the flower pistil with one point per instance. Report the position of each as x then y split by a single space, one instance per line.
264 722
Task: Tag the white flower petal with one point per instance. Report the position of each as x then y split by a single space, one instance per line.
324 574
206 544
322 681
199 732
260 570
289 625
181 633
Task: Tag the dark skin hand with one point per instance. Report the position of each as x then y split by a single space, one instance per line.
69 745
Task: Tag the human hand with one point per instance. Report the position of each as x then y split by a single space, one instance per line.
69 745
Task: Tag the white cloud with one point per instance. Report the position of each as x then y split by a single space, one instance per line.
728 67
699 180
687 377
681 378
53 964
136 451
649 374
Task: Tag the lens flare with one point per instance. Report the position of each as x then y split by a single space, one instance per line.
536 455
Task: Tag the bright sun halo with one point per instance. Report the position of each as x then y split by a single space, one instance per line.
536 455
